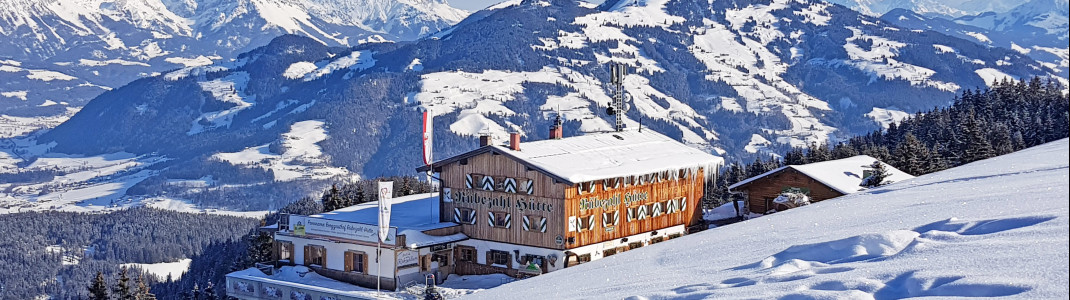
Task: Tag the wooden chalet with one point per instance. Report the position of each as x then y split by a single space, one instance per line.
544 205
818 181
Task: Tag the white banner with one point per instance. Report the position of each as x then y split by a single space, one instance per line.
301 225
386 192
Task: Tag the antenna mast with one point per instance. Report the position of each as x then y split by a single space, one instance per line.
618 71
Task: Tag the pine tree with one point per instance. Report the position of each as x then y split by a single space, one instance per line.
122 290
877 175
844 150
98 289
209 292
260 248
332 200
143 292
977 145
911 155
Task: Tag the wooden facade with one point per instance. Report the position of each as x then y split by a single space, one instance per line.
761 192
563 204
546 193
632 196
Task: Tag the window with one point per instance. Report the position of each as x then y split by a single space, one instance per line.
286 250
611 183
442 259
467 254
634 245
584 258
610 218
315 255
609 252
464 215
499 219
584 223
526 186
498 257
535 223
657 240
355 262
674 235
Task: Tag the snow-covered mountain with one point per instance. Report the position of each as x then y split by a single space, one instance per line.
950 234
62 53
735 78
950 8
1038 28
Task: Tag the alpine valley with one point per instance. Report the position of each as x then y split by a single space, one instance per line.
261 128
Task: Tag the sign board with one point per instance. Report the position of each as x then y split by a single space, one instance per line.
302 225
408 259
386 193
447 195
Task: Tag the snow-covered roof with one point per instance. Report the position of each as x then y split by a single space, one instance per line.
842 175
414 212
606 155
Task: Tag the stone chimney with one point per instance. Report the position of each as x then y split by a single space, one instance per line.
514 141
485 140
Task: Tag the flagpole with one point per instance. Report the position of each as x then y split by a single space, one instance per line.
378 265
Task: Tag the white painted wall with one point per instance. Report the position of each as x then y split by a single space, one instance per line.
336 254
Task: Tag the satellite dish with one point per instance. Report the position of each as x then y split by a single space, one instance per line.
610 111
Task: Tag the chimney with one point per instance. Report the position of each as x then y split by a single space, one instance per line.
556 132
514 141
485 140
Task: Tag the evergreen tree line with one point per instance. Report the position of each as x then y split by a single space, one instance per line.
979 124
123 289
58 253
365 190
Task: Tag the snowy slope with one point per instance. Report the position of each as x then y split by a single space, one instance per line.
997 227
67 51
951 8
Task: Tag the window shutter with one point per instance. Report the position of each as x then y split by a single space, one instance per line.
542 225
472 217
526 224
508 221
457 215
468 180
490 218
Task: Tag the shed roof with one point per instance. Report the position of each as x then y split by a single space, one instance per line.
842 175
603 155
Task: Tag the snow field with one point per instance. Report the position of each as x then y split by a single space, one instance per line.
301 158
162 270
993 228
887 116
229 89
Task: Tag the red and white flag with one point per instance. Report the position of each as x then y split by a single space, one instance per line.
428 132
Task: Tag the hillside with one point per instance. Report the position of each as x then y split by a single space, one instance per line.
996 227
738 79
